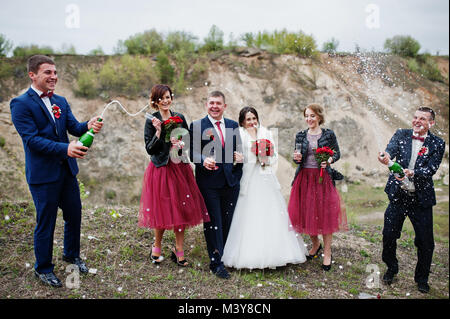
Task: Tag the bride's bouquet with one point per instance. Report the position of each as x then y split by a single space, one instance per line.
170 124
263 149
322 154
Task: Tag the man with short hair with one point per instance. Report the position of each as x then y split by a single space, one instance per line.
42 120
215 143
420 153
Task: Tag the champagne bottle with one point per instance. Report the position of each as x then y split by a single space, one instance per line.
395 167
87 138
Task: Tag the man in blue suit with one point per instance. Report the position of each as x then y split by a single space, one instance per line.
216 151
42 120
420 153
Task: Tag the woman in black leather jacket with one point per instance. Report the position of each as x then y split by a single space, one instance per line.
170 197
315 206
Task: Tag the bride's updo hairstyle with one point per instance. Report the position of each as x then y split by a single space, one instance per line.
318 109
244 112
157 94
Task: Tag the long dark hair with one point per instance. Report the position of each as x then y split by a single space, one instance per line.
244 112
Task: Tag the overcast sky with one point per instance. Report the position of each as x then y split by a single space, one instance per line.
87 24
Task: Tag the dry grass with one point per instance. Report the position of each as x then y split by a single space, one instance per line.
119 251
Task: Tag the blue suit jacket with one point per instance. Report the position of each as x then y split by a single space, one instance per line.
45 141
399 149
203 136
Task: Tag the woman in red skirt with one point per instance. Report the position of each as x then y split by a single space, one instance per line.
170 197
315 207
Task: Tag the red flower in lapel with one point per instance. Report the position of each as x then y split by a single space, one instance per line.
423 151
210 134
56 111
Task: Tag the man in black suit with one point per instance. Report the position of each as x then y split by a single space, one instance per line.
218 176
420 153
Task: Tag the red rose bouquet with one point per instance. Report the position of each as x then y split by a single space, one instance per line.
172 123
263 149
322 154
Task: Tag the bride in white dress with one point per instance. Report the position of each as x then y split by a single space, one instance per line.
260 235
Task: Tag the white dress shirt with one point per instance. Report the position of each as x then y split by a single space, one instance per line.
416 145
46 101
222 126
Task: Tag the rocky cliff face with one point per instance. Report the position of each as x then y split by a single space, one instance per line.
366 98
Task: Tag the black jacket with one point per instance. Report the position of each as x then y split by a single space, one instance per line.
399 149
328 138
156 147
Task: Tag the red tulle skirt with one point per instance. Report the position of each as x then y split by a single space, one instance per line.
170 198
316 208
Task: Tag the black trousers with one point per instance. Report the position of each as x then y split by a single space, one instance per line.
220 203
422 220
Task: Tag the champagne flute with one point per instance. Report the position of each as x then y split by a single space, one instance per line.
212 157
298 148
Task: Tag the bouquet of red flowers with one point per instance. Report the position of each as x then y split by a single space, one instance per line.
172 123
263 149
322 154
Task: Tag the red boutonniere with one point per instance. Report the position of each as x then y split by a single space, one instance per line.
423 151
210 134
56 111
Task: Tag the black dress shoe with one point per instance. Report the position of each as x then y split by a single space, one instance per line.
316 254
423 287
388 277
78 262
49 279
221 272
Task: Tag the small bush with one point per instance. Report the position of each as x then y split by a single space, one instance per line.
413 65
214 40
110 194
86 84
283 42
25 51
166 71
129 76
425 65
2 142
6 69
5 45
149 42
330 46
430 70
404 46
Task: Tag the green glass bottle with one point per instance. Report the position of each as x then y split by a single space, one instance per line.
395 168
87 138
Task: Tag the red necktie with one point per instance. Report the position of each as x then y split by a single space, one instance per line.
221 134
422 139
49 94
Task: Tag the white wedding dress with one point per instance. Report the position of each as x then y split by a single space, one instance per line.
260 235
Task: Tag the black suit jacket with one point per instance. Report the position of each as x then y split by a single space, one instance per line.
399 149
158 148
203 137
